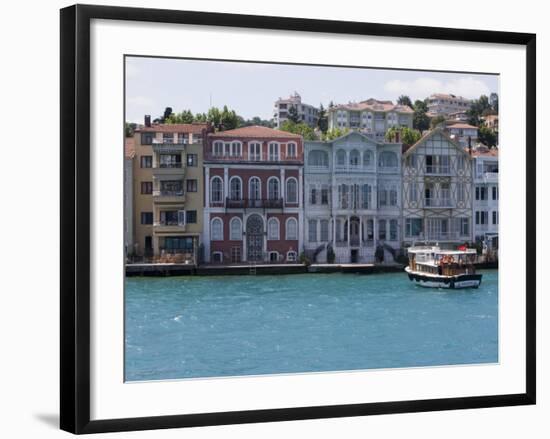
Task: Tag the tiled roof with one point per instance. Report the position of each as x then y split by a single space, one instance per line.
485 151
447 96
461 126
194 128
255 132
373 105
129 148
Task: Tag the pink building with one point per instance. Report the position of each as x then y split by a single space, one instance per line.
253 196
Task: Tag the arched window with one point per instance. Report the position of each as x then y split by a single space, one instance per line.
291 256
273 188
254 188
216 229
341 157
273 229
291 190
235 188
354 158
317 158
218 149
216 195
367 158
387 159
236 149
291 150
291 229
235 229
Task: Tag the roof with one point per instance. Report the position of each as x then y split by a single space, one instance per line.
448 96
255 132
484 151
373 105
462 126
129 148
194 128
429 134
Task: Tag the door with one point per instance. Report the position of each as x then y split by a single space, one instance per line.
254 238
354 231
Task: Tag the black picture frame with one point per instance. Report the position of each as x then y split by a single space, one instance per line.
75 217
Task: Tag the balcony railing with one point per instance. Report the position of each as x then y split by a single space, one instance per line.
438 169
168 223
170 141
252 203
249 158
165 193
436 202
176 165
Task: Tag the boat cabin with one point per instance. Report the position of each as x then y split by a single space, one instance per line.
433 260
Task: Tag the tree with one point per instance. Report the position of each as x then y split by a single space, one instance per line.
404 100
322 122
129 129
421 121
436 121
293 115
406 135
334 134
186 116
475 112
487 136
302 129
229 119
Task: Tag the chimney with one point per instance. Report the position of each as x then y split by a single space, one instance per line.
147 120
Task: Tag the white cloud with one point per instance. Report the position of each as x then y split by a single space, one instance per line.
420 88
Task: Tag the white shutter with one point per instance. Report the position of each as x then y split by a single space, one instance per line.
181 217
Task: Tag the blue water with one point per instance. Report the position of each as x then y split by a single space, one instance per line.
181 327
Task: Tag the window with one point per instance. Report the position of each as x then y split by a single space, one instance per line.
254 188
482 217
183 138
218 149
317 158
393 230
170 161
191 216
291 256
274 152
460 163
192 160
291 229
341 157
382 230
387 159
464 226
445 194
236 149
235 229
460 192
291 150
167 137
146 187
413 227
146 217
324 230
217 190
291 190
393 197
147 138
171 187
172 217
273 188
146 161
413 192
354 158
255 151
312 230
273 229
192 185
367 158
313 196
343 196
324 196
216 229
273 256
365 196
235 188
382 197
495 217
495 194
481 193
182 244
217 257
235 254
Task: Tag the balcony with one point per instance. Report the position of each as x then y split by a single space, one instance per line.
437 170
168 227
165 196
254 204
166 169
488 177
444 203
254 159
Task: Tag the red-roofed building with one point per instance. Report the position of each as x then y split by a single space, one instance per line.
253 196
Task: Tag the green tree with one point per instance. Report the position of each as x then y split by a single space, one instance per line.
404 100
475 112
436 121
406 135
322 122
298 128
229 119
200 118
334 134
186 116
293 115
421 121
129 129
487 136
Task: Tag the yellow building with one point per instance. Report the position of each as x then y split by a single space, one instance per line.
168 191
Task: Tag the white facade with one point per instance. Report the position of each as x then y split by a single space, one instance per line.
352 198
444 104
437 191
486 214
308 114
462 133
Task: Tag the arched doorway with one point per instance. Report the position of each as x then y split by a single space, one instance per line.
354 234
254 238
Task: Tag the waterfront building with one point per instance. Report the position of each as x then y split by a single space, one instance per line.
371 117
486 214
168 189
437 191
129 155
352 199
444 104
253 196
462 133
308 114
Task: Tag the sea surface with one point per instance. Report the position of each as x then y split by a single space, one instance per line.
188 327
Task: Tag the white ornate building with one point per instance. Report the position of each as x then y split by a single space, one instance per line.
352 199
486 217
437 191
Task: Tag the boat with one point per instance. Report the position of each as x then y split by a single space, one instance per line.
432 267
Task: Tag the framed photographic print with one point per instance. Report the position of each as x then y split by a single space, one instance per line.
274 218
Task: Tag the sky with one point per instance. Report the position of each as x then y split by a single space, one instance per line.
152 84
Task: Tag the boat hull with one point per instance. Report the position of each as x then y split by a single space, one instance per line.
449 282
